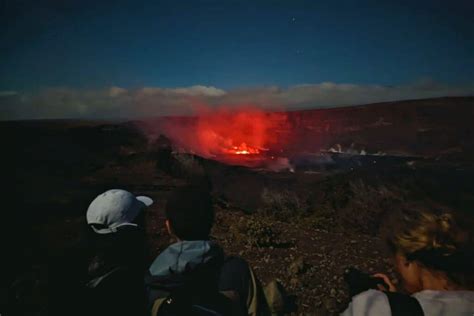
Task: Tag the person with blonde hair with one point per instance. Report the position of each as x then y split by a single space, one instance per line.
432 248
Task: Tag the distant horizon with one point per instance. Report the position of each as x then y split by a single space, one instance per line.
190 115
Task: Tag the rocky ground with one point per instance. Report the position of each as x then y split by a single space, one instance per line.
306 237
301 228
309 262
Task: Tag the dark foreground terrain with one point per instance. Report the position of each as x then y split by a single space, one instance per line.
302 225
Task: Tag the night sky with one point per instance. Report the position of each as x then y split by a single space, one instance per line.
232 45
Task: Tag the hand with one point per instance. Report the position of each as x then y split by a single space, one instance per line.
388 283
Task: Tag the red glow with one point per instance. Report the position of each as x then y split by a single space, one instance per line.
242 149
242 135
237 132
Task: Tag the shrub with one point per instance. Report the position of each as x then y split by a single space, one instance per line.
261 234
283 205
321 217
367 205
256 231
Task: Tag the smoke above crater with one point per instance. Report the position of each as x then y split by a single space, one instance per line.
225 132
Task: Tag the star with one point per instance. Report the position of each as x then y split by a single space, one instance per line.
293 19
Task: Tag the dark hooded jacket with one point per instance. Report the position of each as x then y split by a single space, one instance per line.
188 272
115 275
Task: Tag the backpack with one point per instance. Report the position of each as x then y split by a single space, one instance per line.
174 304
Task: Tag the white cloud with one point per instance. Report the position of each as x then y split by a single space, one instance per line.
7 93
117 91
200 90
117 102
195 91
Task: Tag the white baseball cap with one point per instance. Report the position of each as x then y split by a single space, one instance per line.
115 208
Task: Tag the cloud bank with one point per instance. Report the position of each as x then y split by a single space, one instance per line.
121 103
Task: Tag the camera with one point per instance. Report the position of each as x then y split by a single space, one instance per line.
359 281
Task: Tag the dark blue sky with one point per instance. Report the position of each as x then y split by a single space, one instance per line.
229 44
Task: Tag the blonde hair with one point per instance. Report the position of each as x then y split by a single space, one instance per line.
436 237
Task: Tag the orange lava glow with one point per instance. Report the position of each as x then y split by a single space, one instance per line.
237 132
242 149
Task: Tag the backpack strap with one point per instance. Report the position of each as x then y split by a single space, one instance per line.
157 305
173 304
403 305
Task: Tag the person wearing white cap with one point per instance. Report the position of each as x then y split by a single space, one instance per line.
115 273
115 209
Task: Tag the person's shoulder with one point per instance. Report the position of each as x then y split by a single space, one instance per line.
457 301
434 295
370 296
371 302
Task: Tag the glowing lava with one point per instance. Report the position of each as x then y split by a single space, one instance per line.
237 136
243 149
237 132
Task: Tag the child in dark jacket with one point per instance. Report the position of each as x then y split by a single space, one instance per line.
194 273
